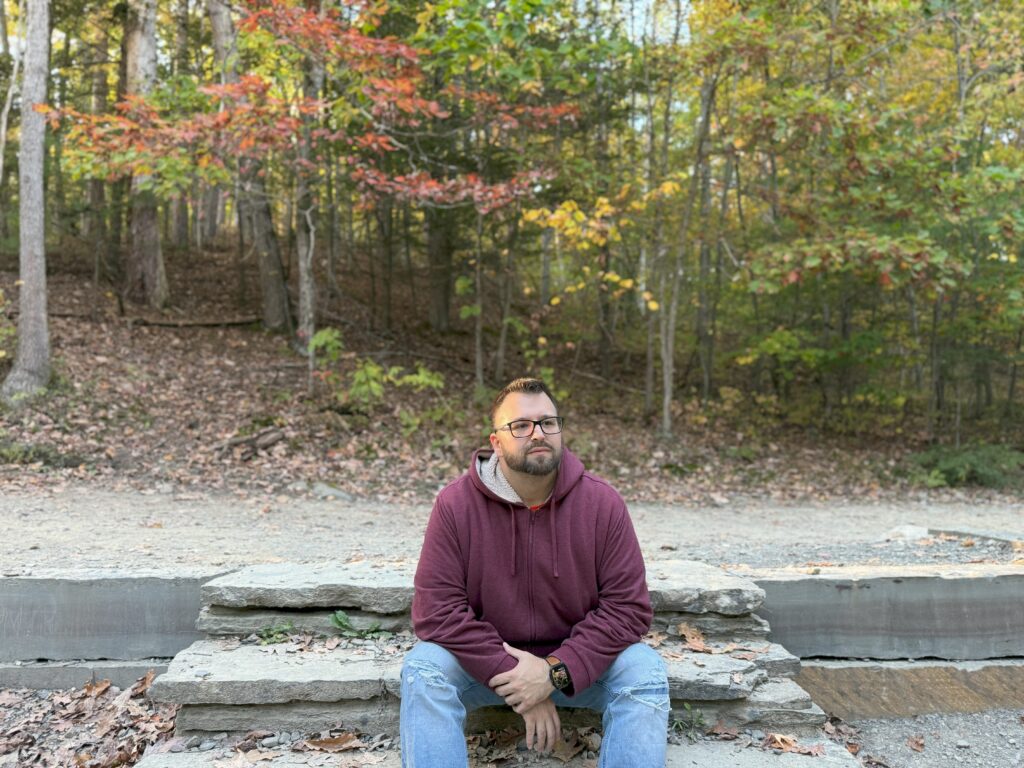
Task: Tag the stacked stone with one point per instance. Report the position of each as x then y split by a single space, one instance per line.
330 678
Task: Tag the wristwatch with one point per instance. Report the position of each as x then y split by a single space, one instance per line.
559 674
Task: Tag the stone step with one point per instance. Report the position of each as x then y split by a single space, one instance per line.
776 704
230 672
220 621
701 754
387 588
227 685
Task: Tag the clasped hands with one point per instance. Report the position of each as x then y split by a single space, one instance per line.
527 689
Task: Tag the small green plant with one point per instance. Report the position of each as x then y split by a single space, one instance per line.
370 379
343 621
691 724
985 465
276 633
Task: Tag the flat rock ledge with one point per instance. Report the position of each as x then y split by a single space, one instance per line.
226 672
675 585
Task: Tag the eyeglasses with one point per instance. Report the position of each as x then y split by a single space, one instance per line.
549 425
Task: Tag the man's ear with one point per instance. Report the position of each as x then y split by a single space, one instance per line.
495 444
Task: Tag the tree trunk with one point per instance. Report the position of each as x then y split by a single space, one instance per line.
506 287
31 371
671 287
179 206
146 279
96 222
253 202
439 254
313 81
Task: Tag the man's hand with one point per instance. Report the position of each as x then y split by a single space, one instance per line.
543 729
526 685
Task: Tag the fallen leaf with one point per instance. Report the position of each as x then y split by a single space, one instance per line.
96 689
694 637
255 755
340 743
916 743
737 678
723 731
967 543
654 639
852 747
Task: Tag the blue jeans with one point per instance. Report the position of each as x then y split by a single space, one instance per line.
437 692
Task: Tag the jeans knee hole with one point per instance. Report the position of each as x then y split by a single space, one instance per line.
430 673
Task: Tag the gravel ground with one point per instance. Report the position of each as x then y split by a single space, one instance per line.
992 739
80 527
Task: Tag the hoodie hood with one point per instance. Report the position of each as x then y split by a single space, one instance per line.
570 471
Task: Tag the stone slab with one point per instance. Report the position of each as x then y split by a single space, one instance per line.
776 704
98 615
49 675
702 754
897 612
693 587
222 672
860 690
675 585
218 620
368 716
715 626
709 677
376 587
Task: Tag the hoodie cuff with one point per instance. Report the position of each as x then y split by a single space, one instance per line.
577 669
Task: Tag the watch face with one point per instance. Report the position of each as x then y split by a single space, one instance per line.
560 676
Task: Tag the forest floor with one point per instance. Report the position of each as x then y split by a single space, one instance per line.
186 401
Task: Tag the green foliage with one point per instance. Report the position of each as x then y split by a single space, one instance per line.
985 465
690 724
343 622
327 342
276 633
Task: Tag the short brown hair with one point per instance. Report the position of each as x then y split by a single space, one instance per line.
526 386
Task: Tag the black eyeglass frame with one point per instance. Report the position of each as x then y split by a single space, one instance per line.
534 423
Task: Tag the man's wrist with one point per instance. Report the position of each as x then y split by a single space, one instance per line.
558 674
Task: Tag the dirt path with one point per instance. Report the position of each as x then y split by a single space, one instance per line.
80 527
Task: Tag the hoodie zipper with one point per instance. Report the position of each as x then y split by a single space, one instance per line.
529 576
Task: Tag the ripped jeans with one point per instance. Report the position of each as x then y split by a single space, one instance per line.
632 696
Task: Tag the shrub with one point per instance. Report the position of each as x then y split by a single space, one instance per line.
985 465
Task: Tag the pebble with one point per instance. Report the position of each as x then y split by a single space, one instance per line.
177 748
757 735
270 741
963 744
206 746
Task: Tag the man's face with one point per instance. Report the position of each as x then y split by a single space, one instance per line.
535 454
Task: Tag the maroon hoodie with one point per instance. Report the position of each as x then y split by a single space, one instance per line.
565 579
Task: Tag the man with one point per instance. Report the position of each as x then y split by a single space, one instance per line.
531 591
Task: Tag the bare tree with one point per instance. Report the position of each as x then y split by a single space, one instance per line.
253 202
31 371
147 280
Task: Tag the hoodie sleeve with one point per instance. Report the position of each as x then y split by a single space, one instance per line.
440 608
623 613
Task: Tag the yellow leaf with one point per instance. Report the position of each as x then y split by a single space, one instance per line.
627 283
653 305
555 301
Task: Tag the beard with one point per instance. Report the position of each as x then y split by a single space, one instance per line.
536 464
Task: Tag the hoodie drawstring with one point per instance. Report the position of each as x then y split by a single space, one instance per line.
554 536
